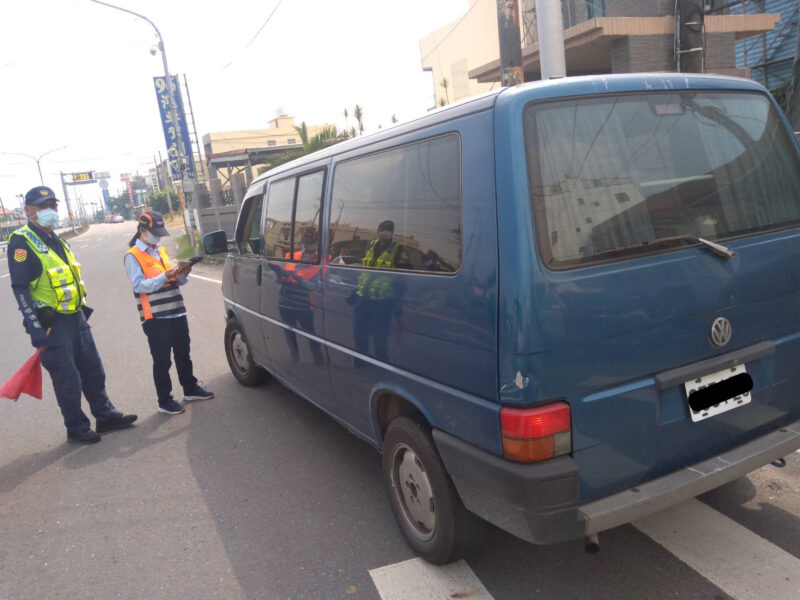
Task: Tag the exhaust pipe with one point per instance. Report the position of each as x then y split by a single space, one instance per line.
592 543
780 463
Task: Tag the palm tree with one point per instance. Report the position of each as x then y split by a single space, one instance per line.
444 85
302 131
394 118
359 115
346 119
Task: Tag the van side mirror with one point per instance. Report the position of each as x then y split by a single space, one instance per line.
215 242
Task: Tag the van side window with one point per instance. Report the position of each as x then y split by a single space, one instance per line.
278 224
399 209
248 235
307 217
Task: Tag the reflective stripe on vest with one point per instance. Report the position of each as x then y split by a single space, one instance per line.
60 284
385 259
165 301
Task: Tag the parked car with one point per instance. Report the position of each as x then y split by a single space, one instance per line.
117 219
583 309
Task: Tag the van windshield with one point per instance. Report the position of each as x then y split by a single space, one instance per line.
613 173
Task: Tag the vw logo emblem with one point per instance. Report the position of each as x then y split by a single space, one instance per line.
721 331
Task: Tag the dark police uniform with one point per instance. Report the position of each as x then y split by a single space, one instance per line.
70 355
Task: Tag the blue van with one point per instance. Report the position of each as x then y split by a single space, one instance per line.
555 308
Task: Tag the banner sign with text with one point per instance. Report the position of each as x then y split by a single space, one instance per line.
171 131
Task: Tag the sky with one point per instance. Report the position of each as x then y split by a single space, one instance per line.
77 76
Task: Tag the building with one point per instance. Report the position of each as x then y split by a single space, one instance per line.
230 152
769 56
600 36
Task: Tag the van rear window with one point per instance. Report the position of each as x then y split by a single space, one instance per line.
616 176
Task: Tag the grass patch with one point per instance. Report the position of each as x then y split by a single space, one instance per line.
185 249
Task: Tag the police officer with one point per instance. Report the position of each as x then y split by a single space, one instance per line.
47 284
162 312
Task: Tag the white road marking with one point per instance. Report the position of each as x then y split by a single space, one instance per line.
736 560
84 246
416 579
205 278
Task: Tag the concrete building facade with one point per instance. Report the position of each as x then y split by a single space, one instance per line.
600 36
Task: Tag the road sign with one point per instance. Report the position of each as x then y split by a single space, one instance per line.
103 184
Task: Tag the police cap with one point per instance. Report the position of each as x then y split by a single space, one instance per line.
39 194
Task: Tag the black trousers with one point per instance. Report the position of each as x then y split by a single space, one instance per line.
75 367
170 336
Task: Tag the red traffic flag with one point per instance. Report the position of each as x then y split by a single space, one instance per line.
27 380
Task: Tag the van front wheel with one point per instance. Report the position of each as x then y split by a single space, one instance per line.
239 359
423 498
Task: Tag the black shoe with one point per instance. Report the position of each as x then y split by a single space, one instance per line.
87 436
118 421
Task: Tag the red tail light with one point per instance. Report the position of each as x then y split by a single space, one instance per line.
534 434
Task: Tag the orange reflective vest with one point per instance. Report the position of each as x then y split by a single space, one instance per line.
167 300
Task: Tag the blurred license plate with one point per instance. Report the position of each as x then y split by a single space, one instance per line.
718 392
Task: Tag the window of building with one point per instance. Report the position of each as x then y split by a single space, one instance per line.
272 143
278 222
413 192
291 141
248 236
595 8
622 197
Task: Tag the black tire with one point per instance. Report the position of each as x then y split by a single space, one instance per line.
424 501
240 361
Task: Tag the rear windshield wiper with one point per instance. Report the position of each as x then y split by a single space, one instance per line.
719 249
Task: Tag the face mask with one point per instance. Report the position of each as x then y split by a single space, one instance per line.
149 238
385 235
47 217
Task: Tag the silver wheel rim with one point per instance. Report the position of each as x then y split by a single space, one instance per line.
413 491
239 353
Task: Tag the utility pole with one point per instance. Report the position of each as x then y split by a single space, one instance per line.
66 199
689 27
510 47
550 26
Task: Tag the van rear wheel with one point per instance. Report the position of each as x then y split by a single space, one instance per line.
424 501
239 359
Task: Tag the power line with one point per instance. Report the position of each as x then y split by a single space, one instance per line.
260 29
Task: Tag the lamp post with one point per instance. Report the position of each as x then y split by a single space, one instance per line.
173 109
37 160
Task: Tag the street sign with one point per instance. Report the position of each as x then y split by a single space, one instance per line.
103 184
172 130
84 177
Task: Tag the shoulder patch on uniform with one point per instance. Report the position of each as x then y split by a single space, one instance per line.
20 254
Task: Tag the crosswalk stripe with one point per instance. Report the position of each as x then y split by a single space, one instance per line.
736 560
417 579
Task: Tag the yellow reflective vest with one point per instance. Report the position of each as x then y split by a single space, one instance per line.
60 285
376 286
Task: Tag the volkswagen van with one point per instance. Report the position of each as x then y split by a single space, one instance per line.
555 308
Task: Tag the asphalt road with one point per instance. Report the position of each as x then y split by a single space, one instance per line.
257 494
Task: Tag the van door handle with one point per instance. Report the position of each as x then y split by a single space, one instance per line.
258 274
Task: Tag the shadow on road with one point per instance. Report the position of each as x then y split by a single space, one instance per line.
20 469
274 469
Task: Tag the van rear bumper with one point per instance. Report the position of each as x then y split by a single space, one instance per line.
539 502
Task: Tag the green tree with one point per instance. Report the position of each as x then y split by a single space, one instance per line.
394 118
162 200
119 205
